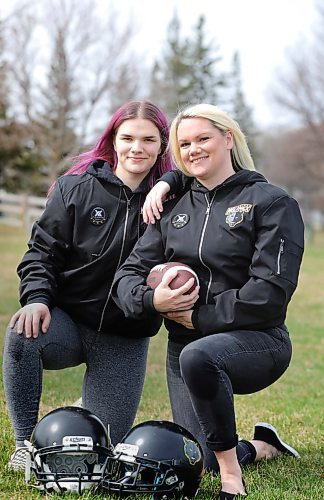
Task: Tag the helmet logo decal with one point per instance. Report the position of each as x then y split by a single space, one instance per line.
234 215
191 451
171 480
126 451
73 440
98 216
180 220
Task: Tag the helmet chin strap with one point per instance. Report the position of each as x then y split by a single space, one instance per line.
108 433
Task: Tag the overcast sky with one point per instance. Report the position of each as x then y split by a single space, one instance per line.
261 30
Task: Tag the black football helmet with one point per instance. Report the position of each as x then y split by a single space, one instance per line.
68 451
156 457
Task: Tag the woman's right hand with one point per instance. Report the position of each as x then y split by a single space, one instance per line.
153 204
167 300
29 318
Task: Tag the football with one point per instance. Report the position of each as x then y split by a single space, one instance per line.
184 273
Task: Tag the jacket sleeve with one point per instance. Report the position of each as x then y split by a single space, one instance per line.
273 275
179 183
46 257
130 291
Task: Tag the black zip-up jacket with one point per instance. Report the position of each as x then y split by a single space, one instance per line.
90 224
244 240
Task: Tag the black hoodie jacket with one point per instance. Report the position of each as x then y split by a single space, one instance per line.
89 226
244 240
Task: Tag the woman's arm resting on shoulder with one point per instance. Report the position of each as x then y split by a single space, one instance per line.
153 204
173 182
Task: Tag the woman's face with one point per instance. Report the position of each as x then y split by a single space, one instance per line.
137 144
205 151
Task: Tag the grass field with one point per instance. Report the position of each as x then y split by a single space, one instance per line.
294 404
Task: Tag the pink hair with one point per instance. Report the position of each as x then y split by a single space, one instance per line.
104 148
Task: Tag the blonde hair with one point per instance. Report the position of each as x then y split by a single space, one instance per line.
240 154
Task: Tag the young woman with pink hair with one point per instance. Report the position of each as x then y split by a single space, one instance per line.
91 222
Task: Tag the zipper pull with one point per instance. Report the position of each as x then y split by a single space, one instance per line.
281 249
282 242
207 210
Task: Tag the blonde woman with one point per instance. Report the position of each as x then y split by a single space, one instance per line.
244 239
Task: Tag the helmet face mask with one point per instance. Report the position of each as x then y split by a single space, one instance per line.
156 457
68 452
140 476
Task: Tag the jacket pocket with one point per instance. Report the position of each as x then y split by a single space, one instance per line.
288 260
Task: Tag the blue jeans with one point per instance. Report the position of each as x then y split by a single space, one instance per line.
204 375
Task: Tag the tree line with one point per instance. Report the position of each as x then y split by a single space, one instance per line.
64 68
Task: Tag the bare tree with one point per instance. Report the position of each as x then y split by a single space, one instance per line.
287 159
299 90
66 62
3 80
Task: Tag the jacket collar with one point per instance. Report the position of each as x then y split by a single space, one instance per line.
242 177
102 170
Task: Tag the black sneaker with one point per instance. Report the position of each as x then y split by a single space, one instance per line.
267 433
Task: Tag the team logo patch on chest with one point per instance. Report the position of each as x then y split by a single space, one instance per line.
180 220
235 215
98 216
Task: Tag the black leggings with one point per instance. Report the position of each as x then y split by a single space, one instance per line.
112 384
204 375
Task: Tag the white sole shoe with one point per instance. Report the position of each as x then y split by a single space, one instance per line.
78 402
17 460
267 433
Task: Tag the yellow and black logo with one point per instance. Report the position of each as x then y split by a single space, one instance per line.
192 451
234 215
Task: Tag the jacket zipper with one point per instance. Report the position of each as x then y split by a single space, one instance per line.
128 207
207 213
280 252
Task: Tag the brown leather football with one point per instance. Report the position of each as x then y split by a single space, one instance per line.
184 273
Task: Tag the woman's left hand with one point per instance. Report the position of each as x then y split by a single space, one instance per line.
182 317
153 204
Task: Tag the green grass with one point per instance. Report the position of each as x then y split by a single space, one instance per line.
294 404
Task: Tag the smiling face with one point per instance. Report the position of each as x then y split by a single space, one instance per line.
137 144
205 151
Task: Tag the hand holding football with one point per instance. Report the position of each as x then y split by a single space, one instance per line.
184 273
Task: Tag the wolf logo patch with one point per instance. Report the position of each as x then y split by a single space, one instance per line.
235 215
191 451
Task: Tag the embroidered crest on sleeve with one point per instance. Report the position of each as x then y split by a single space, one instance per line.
234 215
